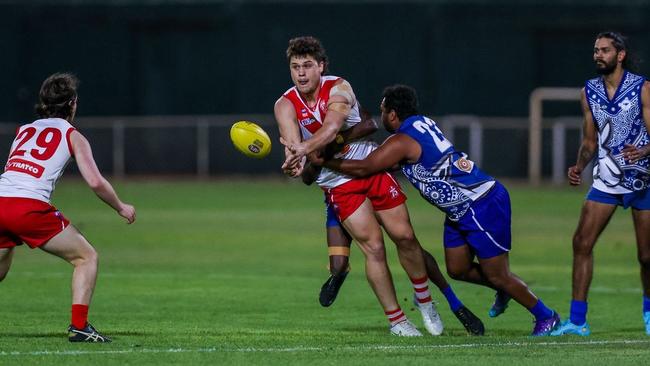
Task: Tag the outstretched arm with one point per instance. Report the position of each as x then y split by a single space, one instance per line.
89 171
396 149
285 116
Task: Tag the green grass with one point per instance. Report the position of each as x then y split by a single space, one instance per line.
228 272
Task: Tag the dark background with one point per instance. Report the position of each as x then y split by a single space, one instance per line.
201 57
143 58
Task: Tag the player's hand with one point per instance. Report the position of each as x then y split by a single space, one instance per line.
294 169
298 152
633 154
295 156
128 212
291 167
299 168
574 175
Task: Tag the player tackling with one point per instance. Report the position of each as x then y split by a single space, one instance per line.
339 241
309 116
37 158
477 206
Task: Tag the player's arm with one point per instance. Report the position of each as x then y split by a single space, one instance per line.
395 150
631 152
84 156
366 127
285 117
589 143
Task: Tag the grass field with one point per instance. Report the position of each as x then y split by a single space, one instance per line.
228 272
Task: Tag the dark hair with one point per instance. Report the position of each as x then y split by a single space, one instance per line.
402 99
57 96
307 46
620 42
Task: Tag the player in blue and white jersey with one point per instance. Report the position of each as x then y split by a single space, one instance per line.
338 240
616 108
476 205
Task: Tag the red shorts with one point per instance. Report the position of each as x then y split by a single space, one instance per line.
383 191
28 220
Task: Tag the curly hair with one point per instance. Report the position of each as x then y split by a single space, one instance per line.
402 99
57 96
307 46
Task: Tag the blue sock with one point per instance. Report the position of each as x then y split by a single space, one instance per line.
578 312
454 302
646 304
540 311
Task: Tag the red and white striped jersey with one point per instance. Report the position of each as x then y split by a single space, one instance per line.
38 156
310 120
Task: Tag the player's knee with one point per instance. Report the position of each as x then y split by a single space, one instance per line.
88 257
457 273
93 257
408 236
498 280
581 245
644 260
407 240
374 251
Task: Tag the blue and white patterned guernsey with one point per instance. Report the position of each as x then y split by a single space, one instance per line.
444 176
619 122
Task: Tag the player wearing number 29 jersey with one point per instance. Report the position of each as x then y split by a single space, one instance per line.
37 158
39 154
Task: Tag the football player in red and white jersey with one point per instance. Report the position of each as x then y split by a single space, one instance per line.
311 115
37 158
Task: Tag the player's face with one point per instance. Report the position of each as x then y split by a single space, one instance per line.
305 73
606 56
388 118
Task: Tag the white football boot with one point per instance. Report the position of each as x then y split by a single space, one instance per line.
405 329
431 318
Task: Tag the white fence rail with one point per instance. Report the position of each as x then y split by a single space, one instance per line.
537 97
211 132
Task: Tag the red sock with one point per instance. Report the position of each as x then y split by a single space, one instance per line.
395 316
79 315
421 287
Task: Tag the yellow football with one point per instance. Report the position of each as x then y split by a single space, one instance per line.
250 139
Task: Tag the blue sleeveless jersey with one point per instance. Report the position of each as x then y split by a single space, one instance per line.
444 176
619 121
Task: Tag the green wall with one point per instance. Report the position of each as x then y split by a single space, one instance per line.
191 57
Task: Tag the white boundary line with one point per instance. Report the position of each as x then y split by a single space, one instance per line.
321 349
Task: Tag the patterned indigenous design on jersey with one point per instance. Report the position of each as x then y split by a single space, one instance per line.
619 121
445 177
37 158
311 120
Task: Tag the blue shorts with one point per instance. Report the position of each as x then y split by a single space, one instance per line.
332 219
639 200
485 227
